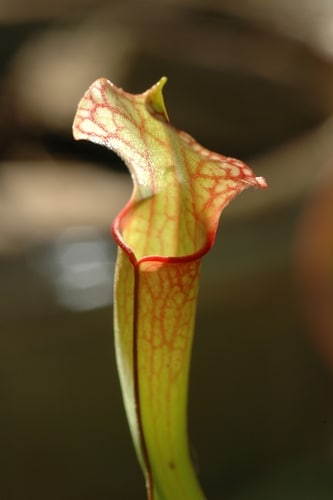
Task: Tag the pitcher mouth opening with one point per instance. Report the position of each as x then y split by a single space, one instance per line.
199 250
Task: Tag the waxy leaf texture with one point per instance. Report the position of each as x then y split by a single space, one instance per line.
180 189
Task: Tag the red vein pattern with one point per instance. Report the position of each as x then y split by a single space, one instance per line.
169 223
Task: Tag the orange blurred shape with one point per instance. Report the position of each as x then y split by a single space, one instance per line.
314 266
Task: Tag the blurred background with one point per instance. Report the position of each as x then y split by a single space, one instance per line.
249 79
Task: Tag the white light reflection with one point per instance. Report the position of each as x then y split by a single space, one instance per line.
82 265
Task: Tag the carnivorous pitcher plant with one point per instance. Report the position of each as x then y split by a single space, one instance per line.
169 223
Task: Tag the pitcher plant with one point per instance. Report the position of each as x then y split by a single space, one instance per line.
168 225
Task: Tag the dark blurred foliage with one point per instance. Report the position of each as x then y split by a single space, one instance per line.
248 79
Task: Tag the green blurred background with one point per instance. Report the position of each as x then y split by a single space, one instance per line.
249 79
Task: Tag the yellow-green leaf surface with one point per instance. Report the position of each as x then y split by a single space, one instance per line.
169 223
